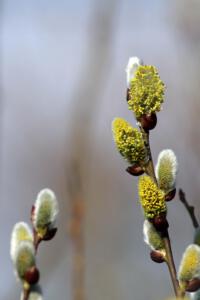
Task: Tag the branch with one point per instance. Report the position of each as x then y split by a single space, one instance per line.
189 208
169 254
171 266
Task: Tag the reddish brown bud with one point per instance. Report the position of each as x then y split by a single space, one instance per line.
148 122
32 275
128 95
170 195
50 234
135 170
160 223
193 285
157 256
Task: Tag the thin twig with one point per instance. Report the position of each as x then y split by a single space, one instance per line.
189 208
150 170
171 266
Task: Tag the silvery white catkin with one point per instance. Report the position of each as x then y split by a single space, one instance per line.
151 237
166 170
21 232
133 64
24 258
45 209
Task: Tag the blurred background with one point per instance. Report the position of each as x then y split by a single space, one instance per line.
62 81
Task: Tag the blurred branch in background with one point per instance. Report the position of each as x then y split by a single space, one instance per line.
88 91
190 209
187 21
1 81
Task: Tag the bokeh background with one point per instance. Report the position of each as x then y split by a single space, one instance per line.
62 81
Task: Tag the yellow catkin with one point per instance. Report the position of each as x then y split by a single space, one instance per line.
146 91
129 141
190 263
151 197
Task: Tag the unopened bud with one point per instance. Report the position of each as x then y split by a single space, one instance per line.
148 122
45 212
160 223
50 234
32 275
170 196
152 237
193 285
128 95
157 256
135 170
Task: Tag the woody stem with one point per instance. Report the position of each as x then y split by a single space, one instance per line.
150 170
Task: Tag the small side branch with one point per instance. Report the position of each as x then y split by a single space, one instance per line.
189 208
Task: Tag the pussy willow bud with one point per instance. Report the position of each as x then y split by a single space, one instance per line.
129 142
166 170
146 91
152 237
21 232
190 264
45 212
151 197
24 258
